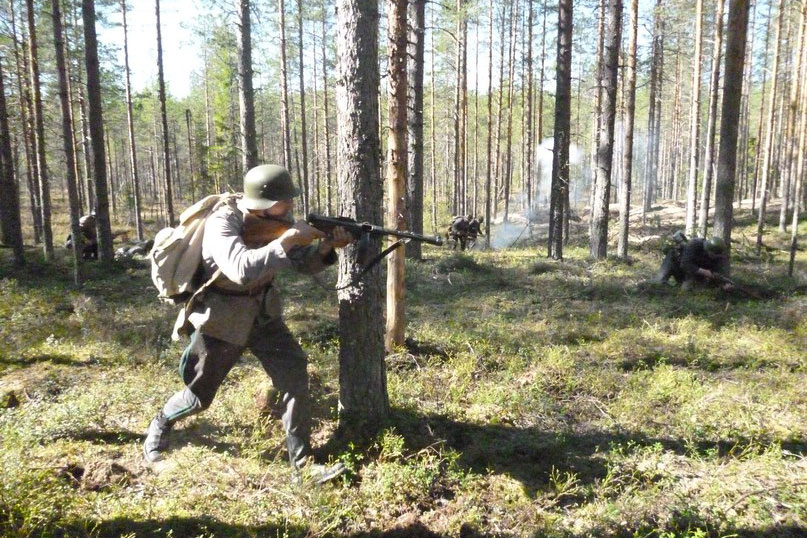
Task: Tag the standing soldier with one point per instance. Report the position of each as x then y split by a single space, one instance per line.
241 309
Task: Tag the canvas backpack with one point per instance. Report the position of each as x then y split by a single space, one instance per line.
176 258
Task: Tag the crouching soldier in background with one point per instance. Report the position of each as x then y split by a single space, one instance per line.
89 237
474 229
464 230
241 309
695 261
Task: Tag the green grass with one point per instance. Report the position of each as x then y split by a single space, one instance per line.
533 398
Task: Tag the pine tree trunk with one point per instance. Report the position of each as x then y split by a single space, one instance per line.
190 155
396 170
67 139
328 180
10 221
653 113
508 171
528 134
605 151
795 93
766 164
169 195
488 175
138 203
758 153
498 162
709 156
284 86
246 101
416 54
560 160
316 205
303 129
597 112
39 135
694 123
729 122
745 120
24 99
800 160
629 117
363 399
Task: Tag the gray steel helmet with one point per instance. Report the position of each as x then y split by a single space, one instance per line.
715 246
266 184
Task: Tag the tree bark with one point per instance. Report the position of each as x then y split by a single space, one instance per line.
694 122
24 99
67 139
629 117
766 164
190 154
169 195
43 184
757 158
328 174
800 160
105 251
138 203
605 154
416 54
284 86
508 171
363 399
560 159
795 93
396 170
488 176
709 157
10 222
729 123
246 101
303 128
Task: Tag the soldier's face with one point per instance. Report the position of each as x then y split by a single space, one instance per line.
279 209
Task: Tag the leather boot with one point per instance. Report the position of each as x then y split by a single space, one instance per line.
157 438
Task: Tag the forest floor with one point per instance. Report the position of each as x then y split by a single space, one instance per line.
534 398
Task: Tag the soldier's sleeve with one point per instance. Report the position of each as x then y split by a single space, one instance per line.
307 260
223 241
689 259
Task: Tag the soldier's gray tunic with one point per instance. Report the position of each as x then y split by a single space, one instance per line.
227 317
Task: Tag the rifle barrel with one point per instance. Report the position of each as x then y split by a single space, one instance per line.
365 227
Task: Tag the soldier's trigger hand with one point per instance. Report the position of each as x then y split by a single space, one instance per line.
300 234
340 237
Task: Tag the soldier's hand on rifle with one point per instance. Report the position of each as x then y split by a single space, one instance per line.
301 234
340 238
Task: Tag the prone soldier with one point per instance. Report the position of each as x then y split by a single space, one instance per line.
695 261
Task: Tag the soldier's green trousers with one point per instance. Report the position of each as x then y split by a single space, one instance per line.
207 361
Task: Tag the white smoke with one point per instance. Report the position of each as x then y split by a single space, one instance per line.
543 158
